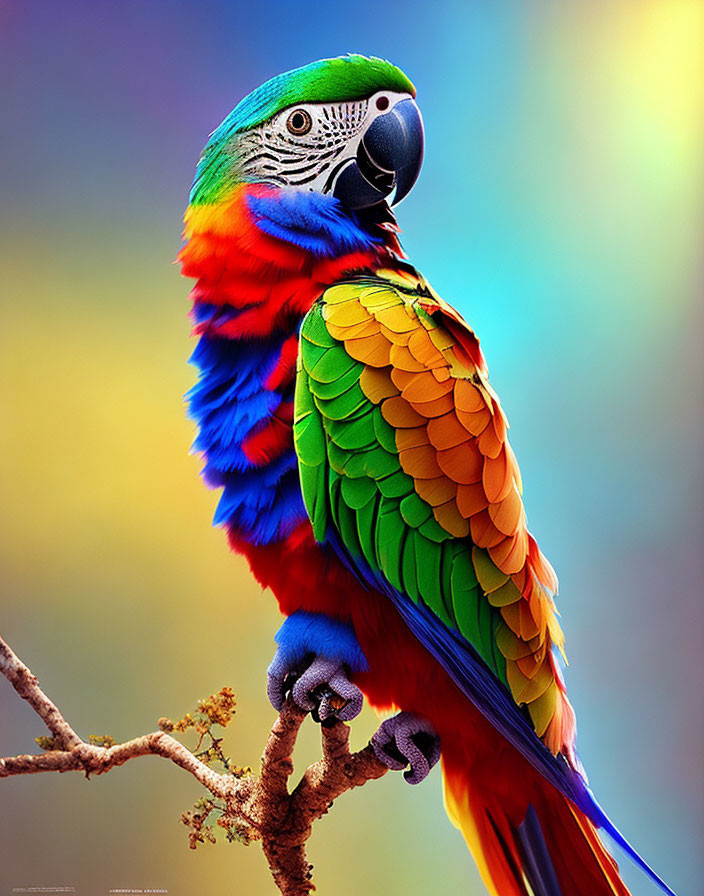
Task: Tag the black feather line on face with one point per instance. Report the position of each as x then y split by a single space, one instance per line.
260 156
301 159
303 169
333 174
276 155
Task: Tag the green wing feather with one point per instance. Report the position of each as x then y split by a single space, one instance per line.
352 479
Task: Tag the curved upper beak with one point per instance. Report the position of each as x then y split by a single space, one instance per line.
389 158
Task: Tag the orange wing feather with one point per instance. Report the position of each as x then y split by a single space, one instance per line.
426 371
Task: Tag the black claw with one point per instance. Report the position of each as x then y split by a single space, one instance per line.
288 684
315 715
330 722
319 695
295 674
425 743
393 752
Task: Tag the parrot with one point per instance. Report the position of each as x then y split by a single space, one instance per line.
344 412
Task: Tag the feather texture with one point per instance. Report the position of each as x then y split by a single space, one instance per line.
397 513
415 404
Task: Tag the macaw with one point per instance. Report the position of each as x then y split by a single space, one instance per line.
344 409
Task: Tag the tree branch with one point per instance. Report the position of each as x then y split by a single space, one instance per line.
252 808
28 688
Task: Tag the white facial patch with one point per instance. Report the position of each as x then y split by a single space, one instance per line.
307 145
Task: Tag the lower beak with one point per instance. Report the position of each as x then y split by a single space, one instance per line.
389 158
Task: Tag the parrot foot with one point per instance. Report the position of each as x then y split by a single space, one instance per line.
407 739
318 685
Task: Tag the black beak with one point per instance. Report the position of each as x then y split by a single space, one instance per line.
389 156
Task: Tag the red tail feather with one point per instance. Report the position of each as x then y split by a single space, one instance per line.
551 850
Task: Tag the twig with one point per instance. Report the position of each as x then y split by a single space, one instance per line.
263 806
28 688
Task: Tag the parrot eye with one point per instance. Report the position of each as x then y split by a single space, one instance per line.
299 122
382 103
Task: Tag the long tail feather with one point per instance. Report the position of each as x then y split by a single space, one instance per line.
537 843
539 866
602 820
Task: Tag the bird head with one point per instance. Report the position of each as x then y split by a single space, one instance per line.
347 127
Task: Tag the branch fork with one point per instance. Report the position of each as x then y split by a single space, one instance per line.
262 807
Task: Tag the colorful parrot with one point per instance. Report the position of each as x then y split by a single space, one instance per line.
345 411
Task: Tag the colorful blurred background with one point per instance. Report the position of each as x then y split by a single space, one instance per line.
559 209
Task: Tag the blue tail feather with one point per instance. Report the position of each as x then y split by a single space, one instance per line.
539 867
602 820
